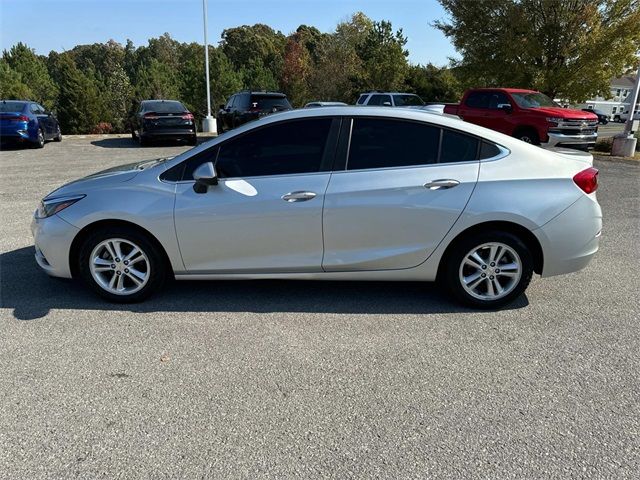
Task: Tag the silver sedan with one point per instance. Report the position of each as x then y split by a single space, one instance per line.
335 193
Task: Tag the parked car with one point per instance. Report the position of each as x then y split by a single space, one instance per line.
334 193
389 99
603 118
27 122
527 115
324 104
624 116
246 106
163 119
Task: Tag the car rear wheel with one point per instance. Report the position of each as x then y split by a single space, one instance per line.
40 139
193 140
122 265
143 141
58 137
488 270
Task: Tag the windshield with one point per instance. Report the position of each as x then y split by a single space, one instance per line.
164 107
408 100
533 100
11 106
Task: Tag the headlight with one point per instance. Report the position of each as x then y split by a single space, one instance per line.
51 206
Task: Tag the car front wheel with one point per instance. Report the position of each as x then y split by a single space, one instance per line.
121 264
488 270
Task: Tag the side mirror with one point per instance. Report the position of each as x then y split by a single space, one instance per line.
205 176
506 107
222 107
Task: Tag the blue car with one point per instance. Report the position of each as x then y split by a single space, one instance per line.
27 122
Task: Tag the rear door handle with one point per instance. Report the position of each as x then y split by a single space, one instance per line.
298 196
442 184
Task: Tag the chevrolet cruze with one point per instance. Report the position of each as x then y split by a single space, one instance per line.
338 193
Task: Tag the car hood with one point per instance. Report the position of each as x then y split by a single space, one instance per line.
568 113
110 176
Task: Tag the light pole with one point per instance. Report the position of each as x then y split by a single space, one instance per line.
624 144
208 123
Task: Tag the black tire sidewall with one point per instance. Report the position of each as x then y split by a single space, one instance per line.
41 139
462 247
157 262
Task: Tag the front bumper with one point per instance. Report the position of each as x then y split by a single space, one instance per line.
570 240
52 238
572 141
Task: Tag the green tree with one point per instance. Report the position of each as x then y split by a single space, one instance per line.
79 102
433 84
33 72
384 57
11 84
564 48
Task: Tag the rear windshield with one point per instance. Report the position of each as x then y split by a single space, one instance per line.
12 106
164 107
269 102
407 100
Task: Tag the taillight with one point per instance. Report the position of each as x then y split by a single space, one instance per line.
587 180
151 116
21 118
187 116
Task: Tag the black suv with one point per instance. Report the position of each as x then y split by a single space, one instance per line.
246 106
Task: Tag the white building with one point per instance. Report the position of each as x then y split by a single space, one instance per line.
621 90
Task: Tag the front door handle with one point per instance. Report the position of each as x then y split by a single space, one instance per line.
441 184
298 196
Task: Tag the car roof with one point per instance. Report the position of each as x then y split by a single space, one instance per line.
509 90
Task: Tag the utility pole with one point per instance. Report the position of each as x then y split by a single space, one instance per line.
208 123
624 144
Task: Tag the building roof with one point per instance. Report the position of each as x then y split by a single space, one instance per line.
627 81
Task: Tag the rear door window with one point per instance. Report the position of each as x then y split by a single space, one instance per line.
478 100
384 143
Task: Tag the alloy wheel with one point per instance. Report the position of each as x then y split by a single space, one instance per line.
119 266
490 271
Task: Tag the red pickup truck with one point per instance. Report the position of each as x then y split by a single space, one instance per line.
528 115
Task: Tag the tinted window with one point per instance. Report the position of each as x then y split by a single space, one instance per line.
164 107
458 147
377 143
362 99
478 100
498 98
407 100
270 102
533 100
284 148
379 99
488 150
12 106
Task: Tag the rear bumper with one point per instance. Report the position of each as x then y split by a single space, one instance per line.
570 240
16 135
574 141
169 133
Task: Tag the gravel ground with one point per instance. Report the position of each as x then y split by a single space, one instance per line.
313 380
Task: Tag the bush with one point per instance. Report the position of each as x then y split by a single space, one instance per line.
102 127
603 145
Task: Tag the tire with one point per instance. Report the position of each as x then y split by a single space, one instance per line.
143 141
40 140
58 137
151 269
514 278
134 135
528 135
193 140
219 126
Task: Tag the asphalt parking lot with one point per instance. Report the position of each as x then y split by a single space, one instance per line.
308 379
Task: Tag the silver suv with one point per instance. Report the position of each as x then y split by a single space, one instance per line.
390 99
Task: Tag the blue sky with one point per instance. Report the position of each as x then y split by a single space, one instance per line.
61 24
